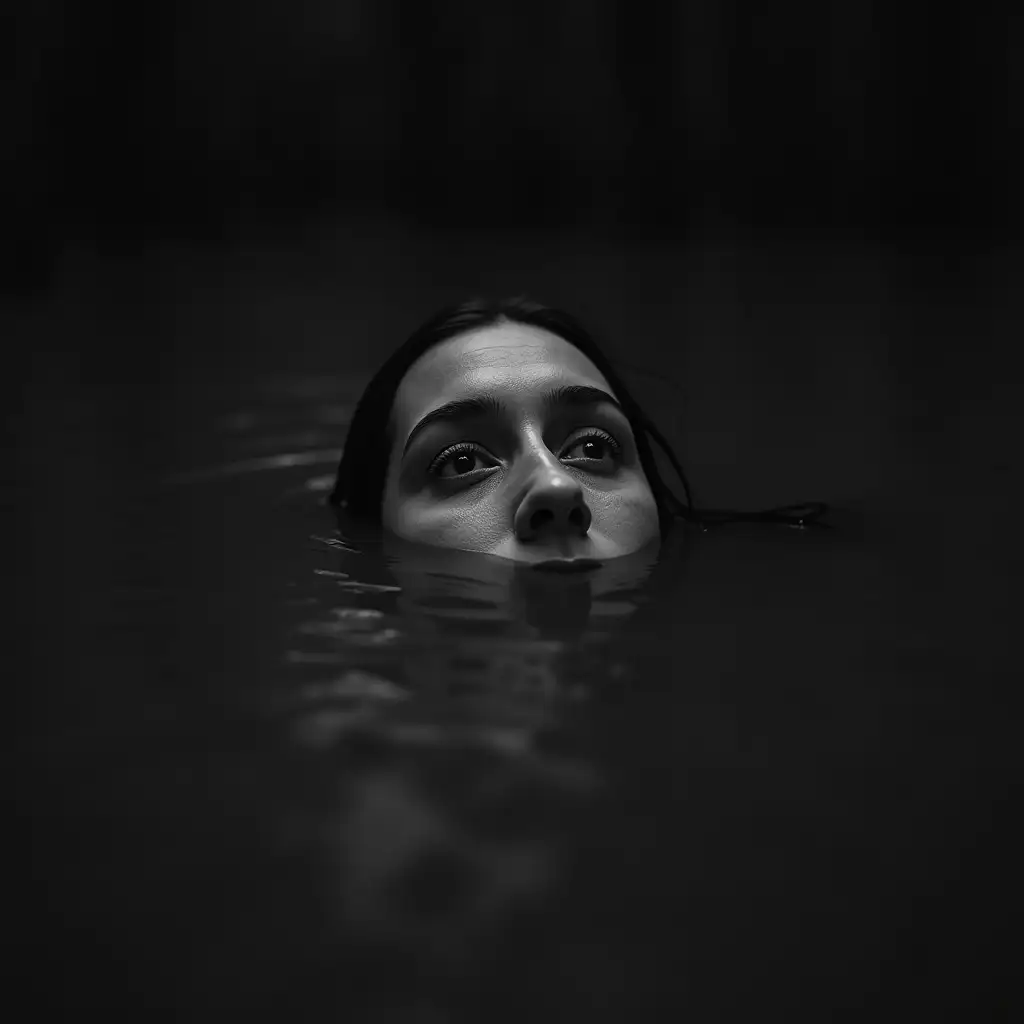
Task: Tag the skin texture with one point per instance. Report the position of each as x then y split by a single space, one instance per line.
543 481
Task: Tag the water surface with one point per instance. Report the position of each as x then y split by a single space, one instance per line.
277 773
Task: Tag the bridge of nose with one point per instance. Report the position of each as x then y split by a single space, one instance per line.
548 479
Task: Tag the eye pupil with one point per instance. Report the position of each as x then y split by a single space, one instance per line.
463 463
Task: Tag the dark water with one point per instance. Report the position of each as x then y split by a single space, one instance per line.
274 773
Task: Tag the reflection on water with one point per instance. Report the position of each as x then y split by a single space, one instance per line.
382 782
451 694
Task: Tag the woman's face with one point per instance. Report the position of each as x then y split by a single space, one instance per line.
508 441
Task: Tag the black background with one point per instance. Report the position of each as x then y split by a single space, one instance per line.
686 120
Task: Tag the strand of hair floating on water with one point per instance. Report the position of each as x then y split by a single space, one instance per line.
799 514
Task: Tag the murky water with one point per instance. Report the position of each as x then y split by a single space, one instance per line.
280 773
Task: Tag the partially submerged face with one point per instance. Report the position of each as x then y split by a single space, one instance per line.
508 441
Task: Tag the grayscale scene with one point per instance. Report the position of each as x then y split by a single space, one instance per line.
513 509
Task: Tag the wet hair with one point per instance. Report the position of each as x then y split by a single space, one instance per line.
359 485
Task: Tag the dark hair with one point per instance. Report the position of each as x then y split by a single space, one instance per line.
359 486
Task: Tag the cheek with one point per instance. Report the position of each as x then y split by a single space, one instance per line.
485 521
450 525
630 514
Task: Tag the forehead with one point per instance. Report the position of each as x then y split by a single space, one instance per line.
505 360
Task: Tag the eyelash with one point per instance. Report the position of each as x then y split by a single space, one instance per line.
601 435
468 448
441 460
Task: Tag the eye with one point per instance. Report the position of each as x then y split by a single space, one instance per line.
594 450
461 460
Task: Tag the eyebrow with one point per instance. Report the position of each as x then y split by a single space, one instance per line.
573 395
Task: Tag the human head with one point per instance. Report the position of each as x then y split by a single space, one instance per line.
498 351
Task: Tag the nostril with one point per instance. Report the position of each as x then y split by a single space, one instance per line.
540 517
576 516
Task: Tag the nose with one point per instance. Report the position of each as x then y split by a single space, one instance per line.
553 506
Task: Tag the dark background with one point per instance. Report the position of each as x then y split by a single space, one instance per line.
689 120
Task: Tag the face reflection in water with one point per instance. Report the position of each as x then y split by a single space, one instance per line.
464 591
462 778
459 790
508 441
